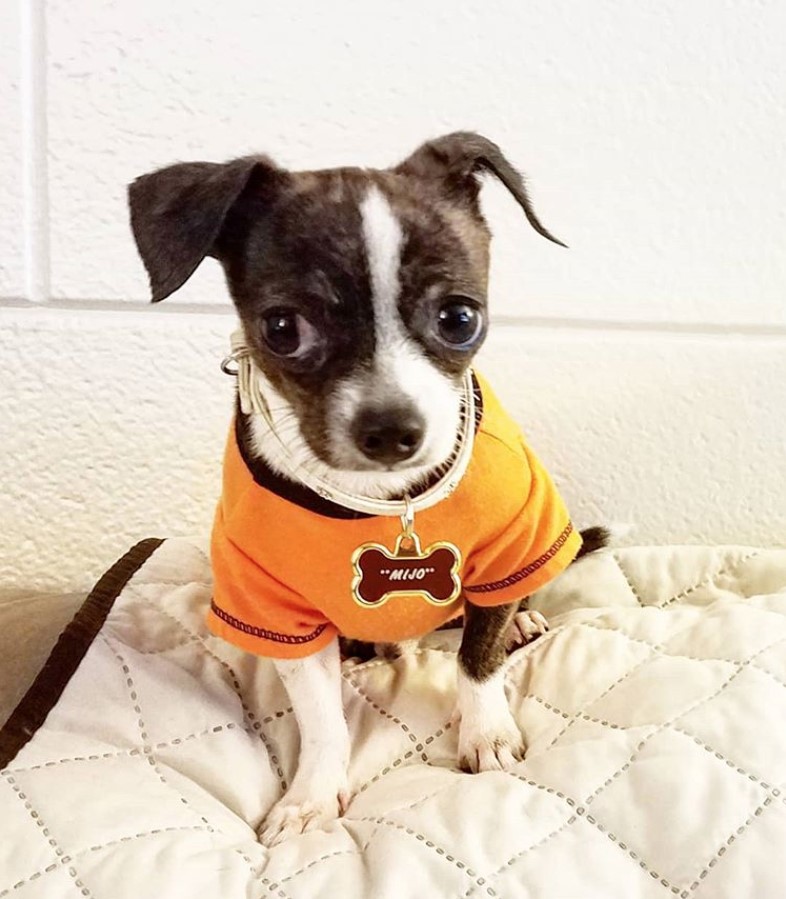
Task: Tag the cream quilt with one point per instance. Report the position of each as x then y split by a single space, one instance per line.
655 712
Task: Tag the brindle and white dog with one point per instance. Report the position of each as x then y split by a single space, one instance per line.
357 289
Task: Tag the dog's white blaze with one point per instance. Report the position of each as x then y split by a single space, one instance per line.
400 369
384 238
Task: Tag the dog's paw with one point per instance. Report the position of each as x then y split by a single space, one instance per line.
490 749
524 628
290 817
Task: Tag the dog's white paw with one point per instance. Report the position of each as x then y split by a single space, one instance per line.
491 748
291 817
524 628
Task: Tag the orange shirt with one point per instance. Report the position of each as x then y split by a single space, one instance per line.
283 573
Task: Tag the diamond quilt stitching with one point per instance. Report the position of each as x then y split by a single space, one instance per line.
577 716
64 860
667 724
175 741
147 749
628 581
732 838
438 850
580 808
378 708
82 853
404 757
483 882
253 725
728 568
513 859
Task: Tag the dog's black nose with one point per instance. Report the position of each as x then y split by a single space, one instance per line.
388 434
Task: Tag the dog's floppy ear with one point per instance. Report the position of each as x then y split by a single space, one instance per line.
177 214
457 159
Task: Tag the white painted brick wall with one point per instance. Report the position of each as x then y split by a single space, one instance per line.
648 363
11 233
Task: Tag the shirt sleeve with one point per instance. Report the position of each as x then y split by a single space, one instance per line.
257 613
528 551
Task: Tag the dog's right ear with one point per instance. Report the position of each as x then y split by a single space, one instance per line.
178 212
455 161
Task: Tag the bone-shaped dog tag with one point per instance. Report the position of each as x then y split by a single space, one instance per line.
432 573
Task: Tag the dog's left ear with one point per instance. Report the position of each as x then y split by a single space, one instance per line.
179 213
456 160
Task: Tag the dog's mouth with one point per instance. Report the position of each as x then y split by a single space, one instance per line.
422 462
410 431
356 473
402 437
343 454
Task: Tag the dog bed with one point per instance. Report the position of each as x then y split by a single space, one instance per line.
147 751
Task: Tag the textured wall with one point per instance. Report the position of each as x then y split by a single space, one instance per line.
647 363
11 231
653 131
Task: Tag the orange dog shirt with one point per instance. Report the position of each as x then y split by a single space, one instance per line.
283 573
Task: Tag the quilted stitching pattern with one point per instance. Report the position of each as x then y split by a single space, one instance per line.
654 711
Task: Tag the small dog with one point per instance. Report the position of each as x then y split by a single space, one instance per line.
362 296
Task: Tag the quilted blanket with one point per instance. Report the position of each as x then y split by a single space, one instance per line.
148 751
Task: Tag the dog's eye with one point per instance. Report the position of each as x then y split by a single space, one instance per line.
459 323
288 334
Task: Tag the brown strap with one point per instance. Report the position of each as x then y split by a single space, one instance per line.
69 651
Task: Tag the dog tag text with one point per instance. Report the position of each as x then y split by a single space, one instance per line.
381 574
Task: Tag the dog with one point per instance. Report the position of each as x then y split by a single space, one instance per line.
362 298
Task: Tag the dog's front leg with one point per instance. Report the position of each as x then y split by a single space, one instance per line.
318 792
489 738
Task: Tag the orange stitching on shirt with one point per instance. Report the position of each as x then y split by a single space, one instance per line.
260 631
528 569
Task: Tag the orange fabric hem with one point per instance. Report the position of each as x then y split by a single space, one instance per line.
520 588
261 646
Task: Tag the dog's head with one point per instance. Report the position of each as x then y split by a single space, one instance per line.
362 293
